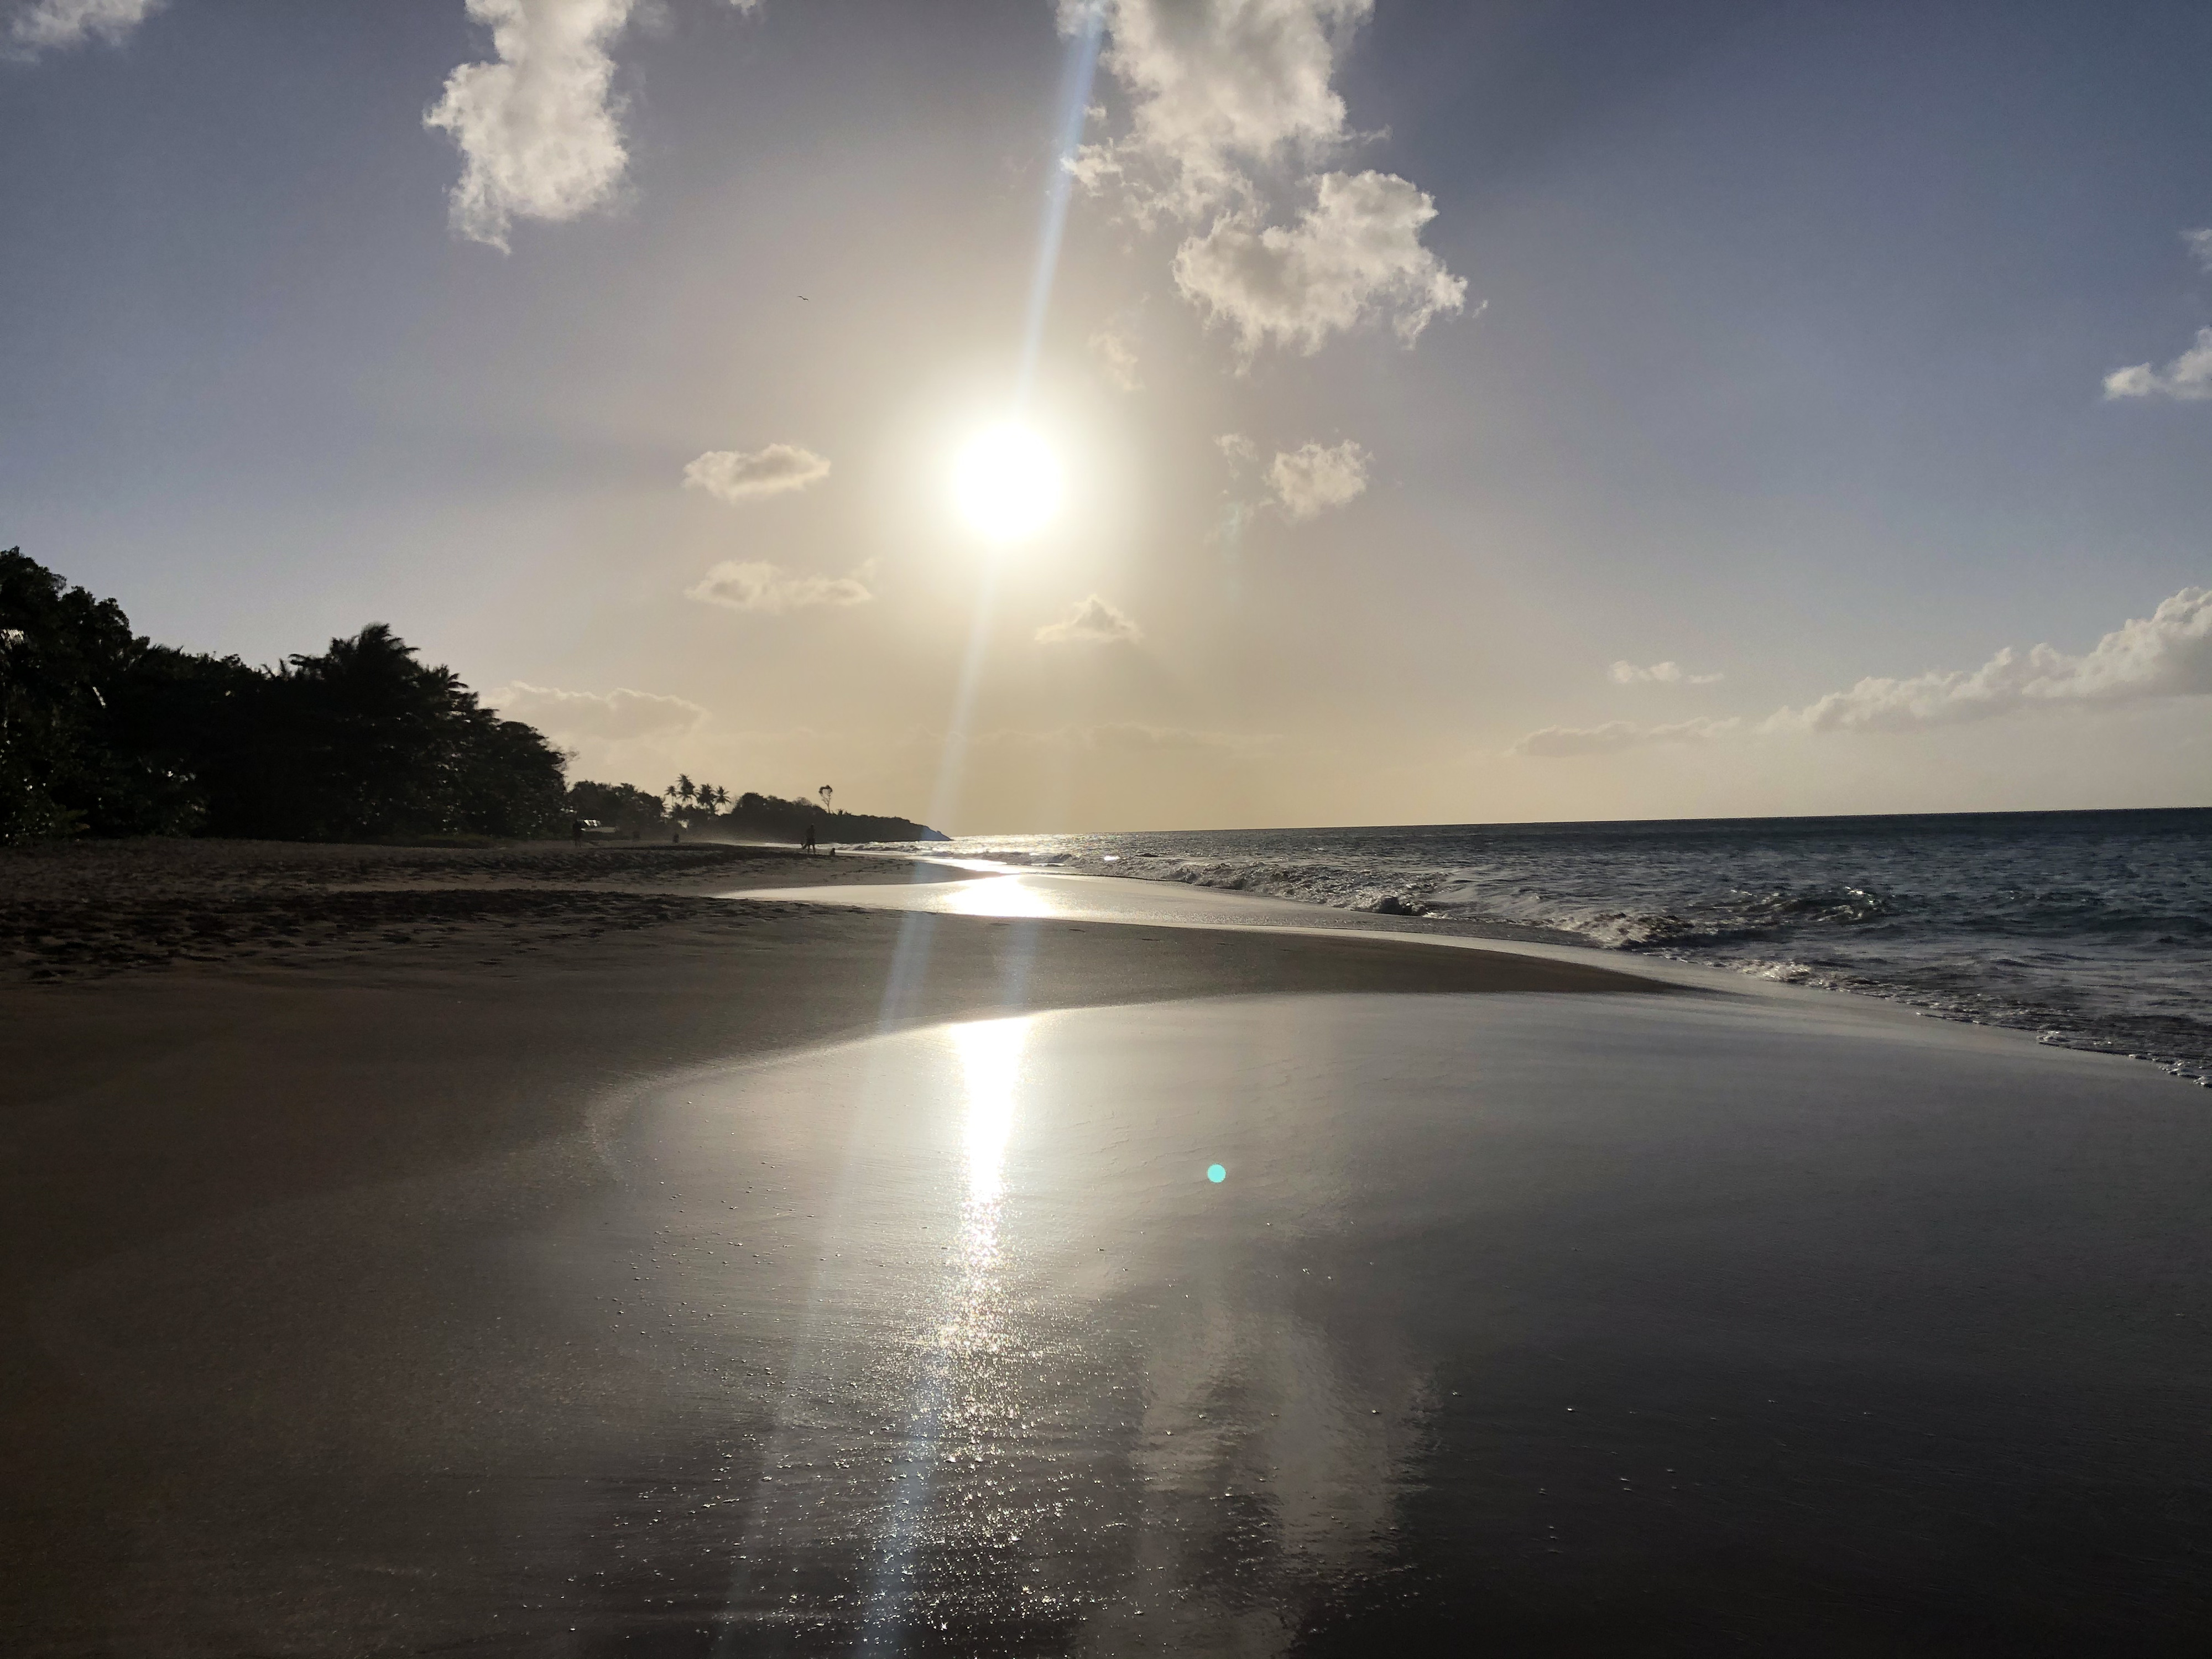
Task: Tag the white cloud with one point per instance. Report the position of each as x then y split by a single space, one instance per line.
1126 737
2199 244
1216 86
759 585
1232 103
1556 741
1240 449
736 476
1355 254
613 714
2187 378
1117 360
2166 655
58 25
1660 673
1130 735
1310 479
1094 622
539 132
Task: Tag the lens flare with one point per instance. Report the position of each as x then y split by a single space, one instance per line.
1007 483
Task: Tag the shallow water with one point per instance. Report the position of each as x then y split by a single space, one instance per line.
2093 928
1626 1325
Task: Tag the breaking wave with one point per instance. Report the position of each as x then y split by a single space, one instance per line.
2093 929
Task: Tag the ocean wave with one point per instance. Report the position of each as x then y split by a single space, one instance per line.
2097 927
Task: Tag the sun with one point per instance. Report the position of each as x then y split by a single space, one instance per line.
1007 483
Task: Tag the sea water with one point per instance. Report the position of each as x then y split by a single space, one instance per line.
2093 929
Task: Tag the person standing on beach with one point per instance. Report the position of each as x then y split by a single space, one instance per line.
808 845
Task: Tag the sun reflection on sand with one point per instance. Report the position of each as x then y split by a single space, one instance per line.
962 1404
1004 896
1051 1379
990 1053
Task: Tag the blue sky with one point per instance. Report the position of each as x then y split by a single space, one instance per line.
1782 356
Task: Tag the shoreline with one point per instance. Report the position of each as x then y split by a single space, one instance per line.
2179 1060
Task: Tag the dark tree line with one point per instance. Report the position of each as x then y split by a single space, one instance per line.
103 731
708 808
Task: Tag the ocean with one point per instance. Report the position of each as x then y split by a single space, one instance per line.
2092 929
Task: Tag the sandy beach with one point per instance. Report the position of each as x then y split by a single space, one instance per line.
546 1251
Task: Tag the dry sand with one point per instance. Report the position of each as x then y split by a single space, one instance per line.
88 911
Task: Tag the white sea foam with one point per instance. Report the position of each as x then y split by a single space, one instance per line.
2095 924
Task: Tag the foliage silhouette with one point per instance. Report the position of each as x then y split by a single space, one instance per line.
709 810
102 731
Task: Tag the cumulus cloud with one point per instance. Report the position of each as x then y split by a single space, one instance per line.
734 475
539 130
757 585
1232 102
1355 254
2187 378
1660 673
1311 479
1240 449
1216 87
58 25
1554 742
2165 654
1117 360
1094 622
613 714
2199 244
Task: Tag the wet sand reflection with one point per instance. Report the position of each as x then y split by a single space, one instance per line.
1037 1385
1496 1315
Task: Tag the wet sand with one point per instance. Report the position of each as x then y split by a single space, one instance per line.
694 1289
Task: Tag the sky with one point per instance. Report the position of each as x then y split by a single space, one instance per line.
1461 412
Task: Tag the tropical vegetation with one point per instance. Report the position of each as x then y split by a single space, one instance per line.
104 732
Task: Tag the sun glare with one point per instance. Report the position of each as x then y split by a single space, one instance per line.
1006 483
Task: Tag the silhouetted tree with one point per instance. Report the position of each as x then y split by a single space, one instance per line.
617 805
67 663
105 732
767 817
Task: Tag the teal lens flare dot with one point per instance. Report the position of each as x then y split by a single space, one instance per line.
1214 1172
